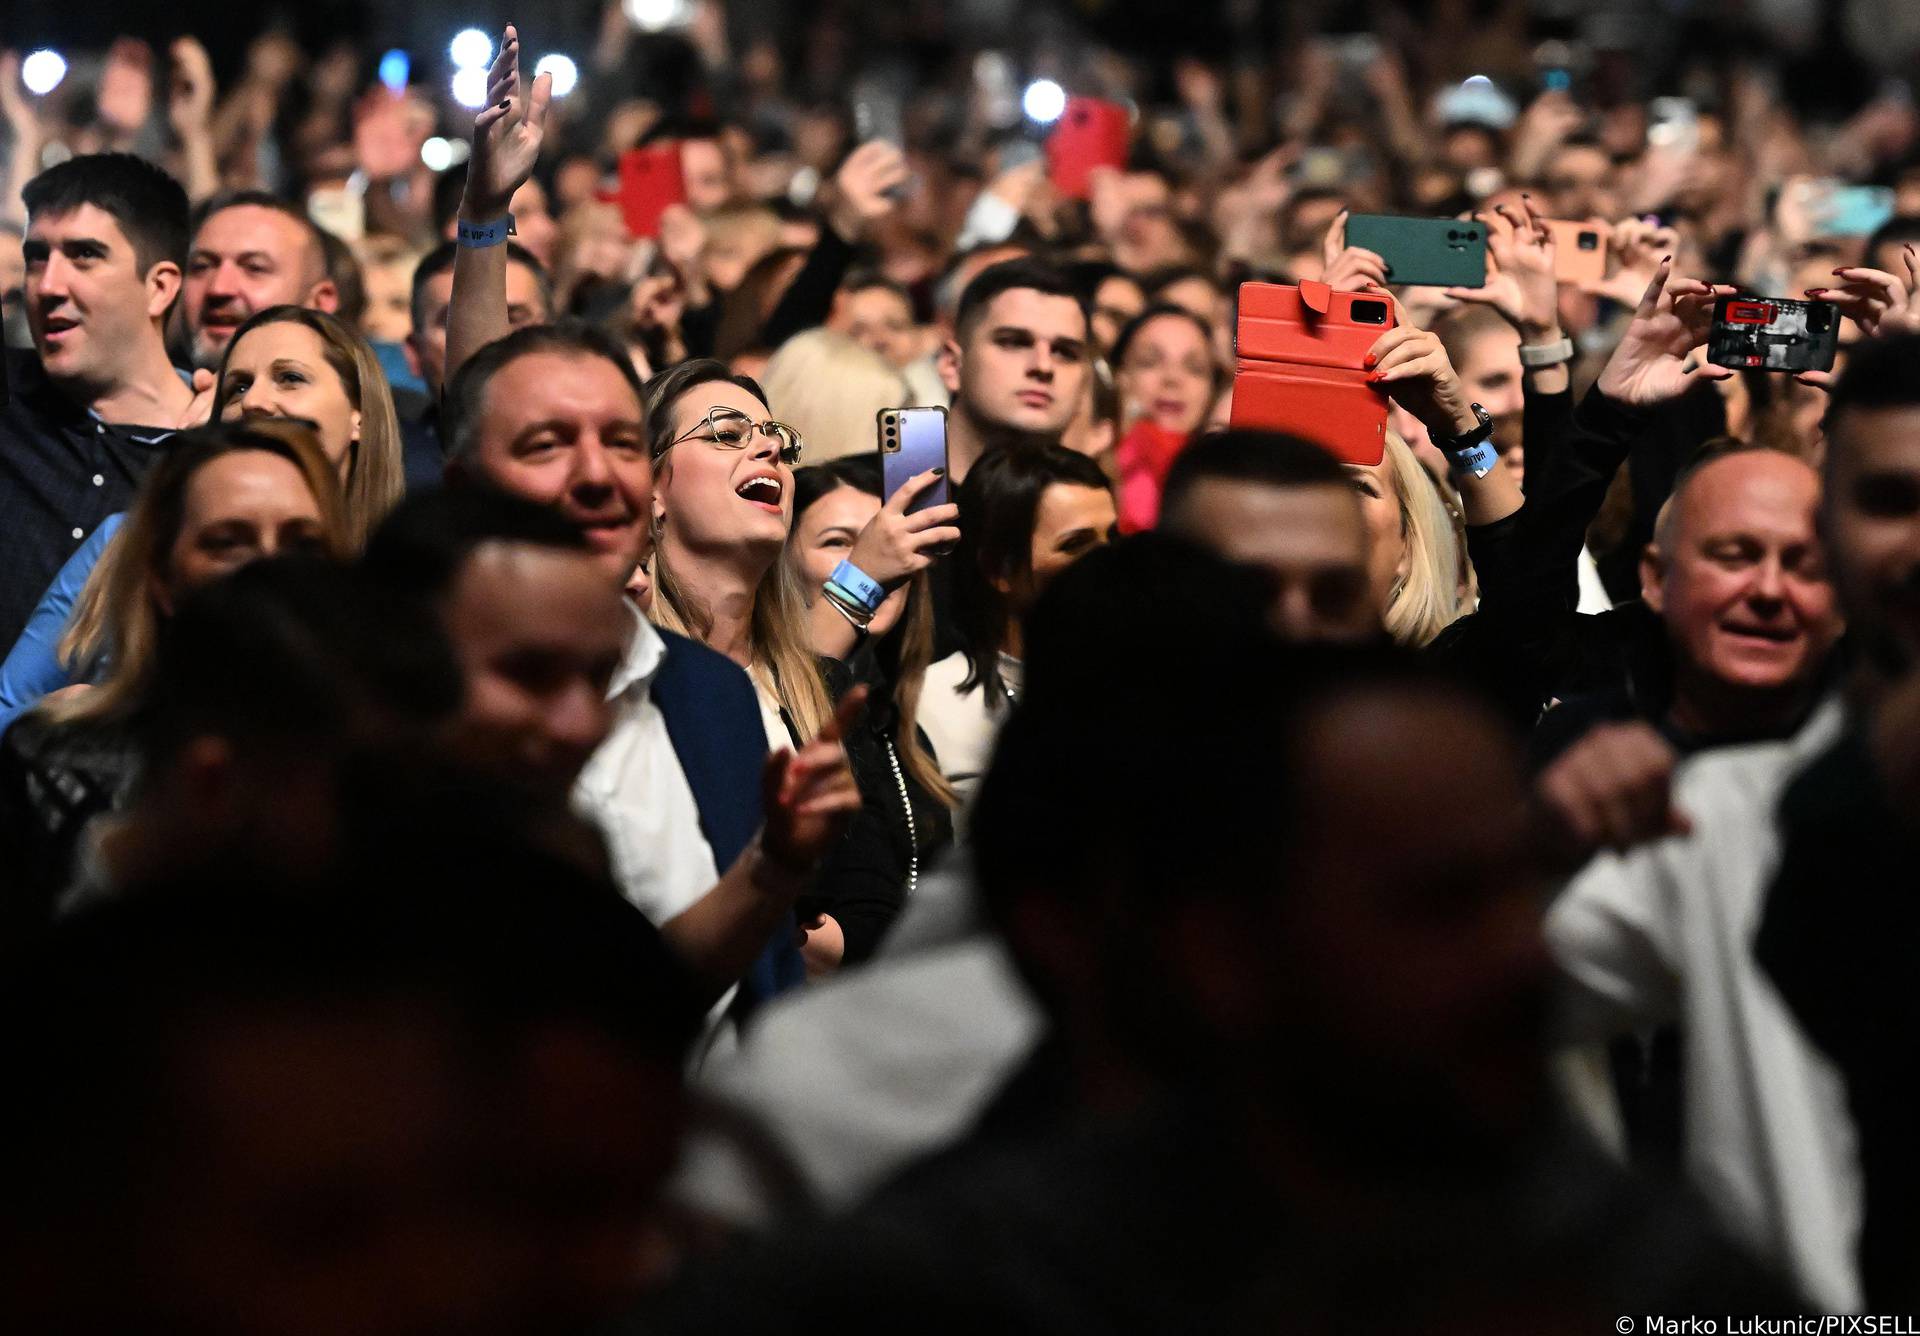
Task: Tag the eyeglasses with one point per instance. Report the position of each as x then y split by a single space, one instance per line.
730 429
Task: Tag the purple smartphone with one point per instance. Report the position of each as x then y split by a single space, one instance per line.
913 440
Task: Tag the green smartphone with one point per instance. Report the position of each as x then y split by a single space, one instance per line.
1438 252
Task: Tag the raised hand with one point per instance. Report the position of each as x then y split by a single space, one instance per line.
1637 248
190 90
895 546
507 135
810 795
1879 302
1520 283
1349 268
1412 366
126 86
862 192
1649 366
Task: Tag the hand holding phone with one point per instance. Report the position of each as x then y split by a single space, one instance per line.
917 520
1302 366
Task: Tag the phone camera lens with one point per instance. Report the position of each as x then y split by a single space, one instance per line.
1454 235
1369 313
1589 241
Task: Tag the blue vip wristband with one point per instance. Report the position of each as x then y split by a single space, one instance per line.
478 236
858 585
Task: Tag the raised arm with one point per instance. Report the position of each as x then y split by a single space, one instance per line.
506 144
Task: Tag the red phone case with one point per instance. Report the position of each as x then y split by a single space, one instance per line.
650 180
1301 368
1091 133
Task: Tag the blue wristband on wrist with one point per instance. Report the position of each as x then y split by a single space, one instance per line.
1477 460
478 236
861 587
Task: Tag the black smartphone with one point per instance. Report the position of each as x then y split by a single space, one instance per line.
913 440
1773 334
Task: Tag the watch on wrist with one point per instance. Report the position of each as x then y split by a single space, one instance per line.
1471 452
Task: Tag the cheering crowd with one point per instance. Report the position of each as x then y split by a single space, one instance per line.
515 817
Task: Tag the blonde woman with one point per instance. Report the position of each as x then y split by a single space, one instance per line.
289 363
221 497
1414 562
830 388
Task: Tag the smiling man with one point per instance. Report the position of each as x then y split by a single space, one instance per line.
1017 363
251 250
95 400
1736 579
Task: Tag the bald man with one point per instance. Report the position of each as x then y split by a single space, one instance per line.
1735 576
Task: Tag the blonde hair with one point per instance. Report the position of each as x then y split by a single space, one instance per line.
780 643
116 614
376 476
832 389
1427 600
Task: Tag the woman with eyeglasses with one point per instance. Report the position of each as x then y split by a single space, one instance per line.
723 501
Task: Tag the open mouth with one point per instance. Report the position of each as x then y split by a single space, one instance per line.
763 489
56 325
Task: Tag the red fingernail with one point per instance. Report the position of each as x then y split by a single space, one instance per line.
1371 359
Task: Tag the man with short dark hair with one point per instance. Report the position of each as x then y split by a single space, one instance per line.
529 302
1286 506
1017 362
92 406
250 250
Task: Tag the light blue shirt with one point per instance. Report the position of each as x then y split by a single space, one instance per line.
33 668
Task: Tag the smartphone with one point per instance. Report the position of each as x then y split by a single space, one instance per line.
913 440
650 180
1579 250
1773 334
1438 252
1829 208
1090 133
1302 370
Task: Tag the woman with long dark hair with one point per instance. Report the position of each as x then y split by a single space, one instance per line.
1026 513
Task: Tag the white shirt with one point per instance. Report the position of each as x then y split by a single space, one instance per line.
636 791
859 1075
961 725
1665 932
